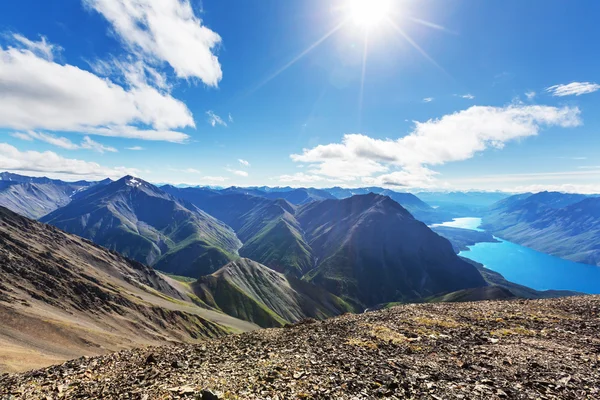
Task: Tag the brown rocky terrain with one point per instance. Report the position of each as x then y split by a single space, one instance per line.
62 297
514 349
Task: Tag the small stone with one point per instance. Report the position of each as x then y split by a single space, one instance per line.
208 395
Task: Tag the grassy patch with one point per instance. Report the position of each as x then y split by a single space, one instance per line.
367 344
514 331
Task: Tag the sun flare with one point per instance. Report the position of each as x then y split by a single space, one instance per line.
369 13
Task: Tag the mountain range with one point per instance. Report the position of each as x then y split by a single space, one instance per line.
36 197
146 224
178 264
564 225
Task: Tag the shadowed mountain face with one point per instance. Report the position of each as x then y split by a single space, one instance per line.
371 250
144 223
63 297
36 197
248 290
367 249
564 225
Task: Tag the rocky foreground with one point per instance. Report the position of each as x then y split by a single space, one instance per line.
542 349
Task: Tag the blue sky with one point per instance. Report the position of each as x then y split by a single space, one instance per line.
457 94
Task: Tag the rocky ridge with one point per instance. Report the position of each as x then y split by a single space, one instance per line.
517 349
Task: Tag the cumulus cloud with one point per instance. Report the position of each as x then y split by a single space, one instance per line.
214 119
427 99
454 137
52 164
63 142
165 31
244 162
573 89
39 94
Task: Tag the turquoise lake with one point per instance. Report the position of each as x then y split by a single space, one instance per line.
522 265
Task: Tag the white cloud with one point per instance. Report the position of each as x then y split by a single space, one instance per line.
215 178
427 99
135 148
237 172
573 88
42 48
51 164
468 96
63 142
165 31
302 178
185 170
230 119
244 162
454 137
214 119
39 94
89 144
530 95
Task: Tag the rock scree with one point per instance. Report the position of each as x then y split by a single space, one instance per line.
516 349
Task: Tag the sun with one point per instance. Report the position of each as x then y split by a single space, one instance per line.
369 13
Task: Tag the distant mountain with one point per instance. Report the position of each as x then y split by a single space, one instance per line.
564 225
416 206
371 250
466 198
267 228
297 196
35 197
253 292
62 297
146 224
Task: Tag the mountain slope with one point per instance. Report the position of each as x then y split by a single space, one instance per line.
35 197
146 224
371 250
62 297
564 225
267 228
251 291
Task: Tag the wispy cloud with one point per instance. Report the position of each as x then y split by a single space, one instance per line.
237 172
468 96
573 89
50 163
427 99
165 31
42 48
244 162
453 137
230 118
185 170
530 95
135 148
214 119
63 142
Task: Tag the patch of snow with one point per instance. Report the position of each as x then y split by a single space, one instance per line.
133 182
